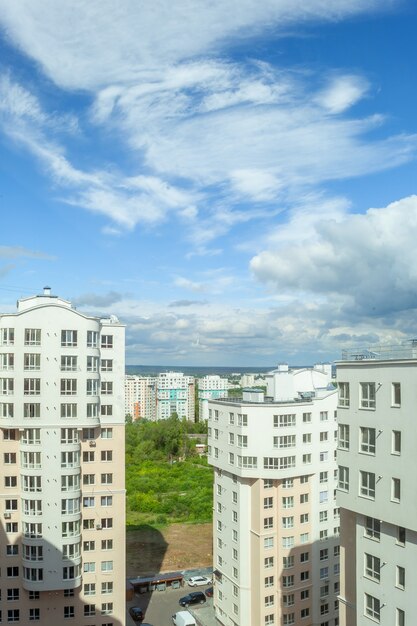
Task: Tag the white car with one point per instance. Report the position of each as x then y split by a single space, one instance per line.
197 581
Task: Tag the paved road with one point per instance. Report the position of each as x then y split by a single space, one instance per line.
159 606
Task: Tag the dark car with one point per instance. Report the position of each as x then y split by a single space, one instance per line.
209 592
136 614
195 597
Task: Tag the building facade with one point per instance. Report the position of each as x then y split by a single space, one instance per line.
62 554
209 388
175 394
276 524
376 493
140 397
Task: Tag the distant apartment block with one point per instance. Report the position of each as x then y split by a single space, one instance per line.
210 388
140 397
376 492
276 523
175 393
62 487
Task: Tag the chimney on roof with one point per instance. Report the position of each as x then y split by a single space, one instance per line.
46 291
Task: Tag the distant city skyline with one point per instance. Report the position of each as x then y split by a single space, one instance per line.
237 186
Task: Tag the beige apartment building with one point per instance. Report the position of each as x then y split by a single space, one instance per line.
276 523
376 492
62 487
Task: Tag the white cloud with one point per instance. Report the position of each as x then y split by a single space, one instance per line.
342 92
71 40
366 261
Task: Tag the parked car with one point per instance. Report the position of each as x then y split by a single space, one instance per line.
197 581
136 614
209 592
183 618
195 597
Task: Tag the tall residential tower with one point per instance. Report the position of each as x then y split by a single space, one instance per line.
62 490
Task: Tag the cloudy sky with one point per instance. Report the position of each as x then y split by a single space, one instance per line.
234 179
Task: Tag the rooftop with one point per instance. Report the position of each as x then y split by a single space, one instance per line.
384 352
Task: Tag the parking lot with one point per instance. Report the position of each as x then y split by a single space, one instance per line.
159 606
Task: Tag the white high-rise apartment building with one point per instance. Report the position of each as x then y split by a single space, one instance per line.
276 524
140 397
62 488
210 387
376 492
175 394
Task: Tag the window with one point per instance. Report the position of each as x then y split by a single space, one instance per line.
396 442
304 518
367 440
303 498
307 438
323 516
400 577
306 459
284 462
7 386
269 600
69 338
304 557
304 575
323 535
9 458
106 388
288 581
305 594
68 410
344 394
288 562
92 339
91 387
107 522
372 528
69 506
324 609
396 394
269 581
284 420
372 567
34 483
90 589
400 617
324 435
106 433
88 456
242 419
287 542
324 416
287 502
13 615
269 562
89 609
6 336
107 455
68 386
270 620
343 483
107 608
304 538
32 337
34 615
306 418
106 501
367 395
324 554
401 536
372 607
324 456
367 484
9 434
31 361
89 567
323 496
69 435
106 587
305 612
324 477
285 441
395 489
68 612
6 409
10 481
89 546
12 550
107 341
68 363
107 544
13 595
231 439
343 438
268 503
106 409
31 386
106 479
289 619
287 483
268 522
288 522
88 502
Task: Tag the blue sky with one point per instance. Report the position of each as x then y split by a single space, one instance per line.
234 180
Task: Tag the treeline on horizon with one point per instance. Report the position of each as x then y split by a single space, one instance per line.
166 481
